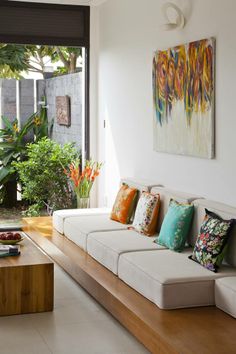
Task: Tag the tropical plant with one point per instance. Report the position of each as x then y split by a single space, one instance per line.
12 148
42 126
42 176
15 59
13 142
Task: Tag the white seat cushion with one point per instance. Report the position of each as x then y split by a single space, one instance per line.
170 279
59 216
78 228
106 247
225 295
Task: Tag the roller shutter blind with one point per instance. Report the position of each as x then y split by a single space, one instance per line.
37 23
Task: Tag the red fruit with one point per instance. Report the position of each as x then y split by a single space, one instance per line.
10 236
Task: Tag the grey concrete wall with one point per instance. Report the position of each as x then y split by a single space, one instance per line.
26 92
70 85
40 90
8 98
26 104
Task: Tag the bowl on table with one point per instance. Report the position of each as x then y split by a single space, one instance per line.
10 238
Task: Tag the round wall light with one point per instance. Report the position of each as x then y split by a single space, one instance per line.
178 22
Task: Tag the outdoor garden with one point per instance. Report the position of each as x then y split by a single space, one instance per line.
38 174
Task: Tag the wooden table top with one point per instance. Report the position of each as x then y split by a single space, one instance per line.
30 255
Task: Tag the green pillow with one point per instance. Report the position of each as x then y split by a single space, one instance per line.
176 225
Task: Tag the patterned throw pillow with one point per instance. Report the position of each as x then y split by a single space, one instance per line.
146 214
211 241
124 205
176 225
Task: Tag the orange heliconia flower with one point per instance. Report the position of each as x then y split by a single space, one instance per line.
83 180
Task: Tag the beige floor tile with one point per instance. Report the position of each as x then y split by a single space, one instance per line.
22 341
78 325
67 288
69 311
13 323
91 337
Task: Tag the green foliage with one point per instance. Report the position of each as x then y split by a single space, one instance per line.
16 58
12 146
42 175
42 127
13 60
33 210
68 56
2 194
7 72
13 141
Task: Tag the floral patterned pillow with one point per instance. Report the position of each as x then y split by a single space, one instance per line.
146 214
211 241
124 205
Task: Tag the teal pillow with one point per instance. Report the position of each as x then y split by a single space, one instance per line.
176 225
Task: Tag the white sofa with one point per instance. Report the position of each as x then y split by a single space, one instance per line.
59 216
225 295
107 248
168 279
77 224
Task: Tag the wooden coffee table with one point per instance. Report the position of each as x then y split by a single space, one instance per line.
26 281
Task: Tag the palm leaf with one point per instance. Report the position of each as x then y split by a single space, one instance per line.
27 127
7 158
4 174
7 123
5 145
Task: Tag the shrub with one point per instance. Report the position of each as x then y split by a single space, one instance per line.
42 174
13 140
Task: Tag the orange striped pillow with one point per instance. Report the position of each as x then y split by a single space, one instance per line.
124 204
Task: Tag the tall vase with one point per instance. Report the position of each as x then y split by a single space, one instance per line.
83 202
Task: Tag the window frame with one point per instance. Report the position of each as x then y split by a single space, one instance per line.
83 41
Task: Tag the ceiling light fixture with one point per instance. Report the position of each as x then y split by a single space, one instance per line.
178 22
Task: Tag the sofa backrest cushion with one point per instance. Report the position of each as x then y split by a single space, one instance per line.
141 185
165 196
225 212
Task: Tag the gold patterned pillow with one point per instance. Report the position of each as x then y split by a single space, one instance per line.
146 214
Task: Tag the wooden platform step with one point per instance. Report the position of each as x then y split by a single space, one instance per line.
205 330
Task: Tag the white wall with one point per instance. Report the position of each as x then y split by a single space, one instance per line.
129 34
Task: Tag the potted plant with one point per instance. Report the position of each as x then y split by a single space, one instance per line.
83 180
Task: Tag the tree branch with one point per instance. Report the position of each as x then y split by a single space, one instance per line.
62 58
34 69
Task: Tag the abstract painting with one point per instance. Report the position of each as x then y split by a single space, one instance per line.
183 96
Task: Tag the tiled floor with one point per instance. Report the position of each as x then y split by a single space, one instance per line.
78 325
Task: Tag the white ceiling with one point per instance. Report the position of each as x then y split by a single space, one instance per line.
69 2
